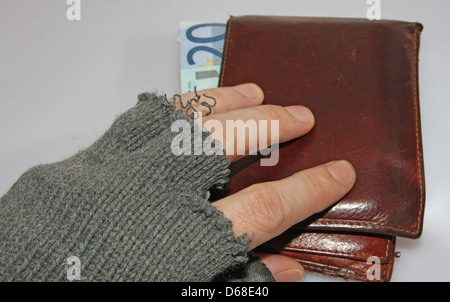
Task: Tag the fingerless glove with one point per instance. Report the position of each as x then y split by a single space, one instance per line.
127 208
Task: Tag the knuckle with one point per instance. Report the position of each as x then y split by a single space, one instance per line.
273 112
317 188
265 207
207 101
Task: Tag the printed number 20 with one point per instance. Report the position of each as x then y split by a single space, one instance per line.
192 38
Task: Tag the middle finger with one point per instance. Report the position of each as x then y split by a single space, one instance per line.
245 131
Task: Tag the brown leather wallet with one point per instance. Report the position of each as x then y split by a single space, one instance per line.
360 79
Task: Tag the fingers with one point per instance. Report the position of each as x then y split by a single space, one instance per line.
245 131
268 209
219 100
236 118
283 268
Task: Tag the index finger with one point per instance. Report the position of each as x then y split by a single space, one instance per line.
218 100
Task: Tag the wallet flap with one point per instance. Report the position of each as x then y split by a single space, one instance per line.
350 256
360 80
338 245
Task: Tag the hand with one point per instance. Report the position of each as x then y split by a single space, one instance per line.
268 209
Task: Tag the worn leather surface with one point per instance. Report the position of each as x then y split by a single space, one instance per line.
338 254
360 79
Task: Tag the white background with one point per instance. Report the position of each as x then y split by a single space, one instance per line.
63 82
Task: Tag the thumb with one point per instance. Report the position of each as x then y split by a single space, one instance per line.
283 268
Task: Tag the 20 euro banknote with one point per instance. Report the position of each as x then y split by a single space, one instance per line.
201 48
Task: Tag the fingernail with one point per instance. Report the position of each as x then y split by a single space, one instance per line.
342 171
301 113
292 275
250 90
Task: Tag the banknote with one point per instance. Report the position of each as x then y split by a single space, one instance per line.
201 48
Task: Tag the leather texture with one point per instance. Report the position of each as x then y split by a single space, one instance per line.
338 254
360 79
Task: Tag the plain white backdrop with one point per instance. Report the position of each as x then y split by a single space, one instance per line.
63 82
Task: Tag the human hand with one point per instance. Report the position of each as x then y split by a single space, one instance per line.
268 209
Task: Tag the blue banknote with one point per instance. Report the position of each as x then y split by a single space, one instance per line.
201 48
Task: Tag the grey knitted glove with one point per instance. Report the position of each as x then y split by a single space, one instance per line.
127 207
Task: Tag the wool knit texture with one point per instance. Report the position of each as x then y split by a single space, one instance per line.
127 207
